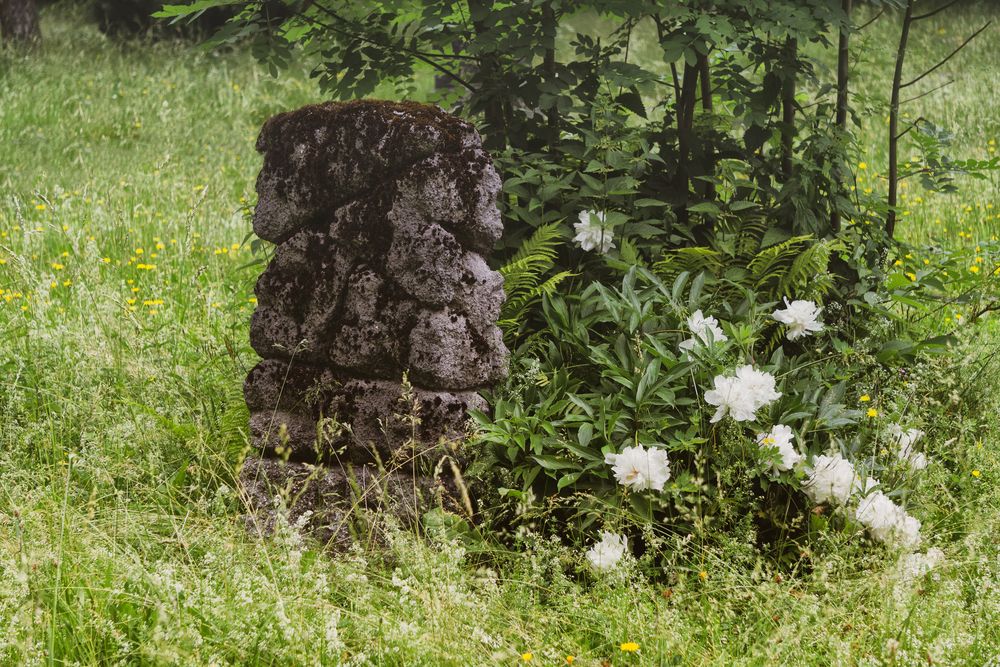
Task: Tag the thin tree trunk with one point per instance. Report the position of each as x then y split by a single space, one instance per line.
788 109
549 28
843 80
19 21
705 77
489 78
685 121
897 80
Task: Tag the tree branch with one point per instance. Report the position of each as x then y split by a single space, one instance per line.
931 13
949 56
870 21
419 55
932 90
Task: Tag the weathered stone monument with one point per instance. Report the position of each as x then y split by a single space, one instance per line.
381 213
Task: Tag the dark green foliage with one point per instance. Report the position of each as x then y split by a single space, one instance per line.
575 121
134 18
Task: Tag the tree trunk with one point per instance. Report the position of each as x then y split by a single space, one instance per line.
843 80
897 80
705 77
550 25
685 123
490 80
19 21
788 109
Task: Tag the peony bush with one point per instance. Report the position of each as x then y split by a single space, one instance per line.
652 411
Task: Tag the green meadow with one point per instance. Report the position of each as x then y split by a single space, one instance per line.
126 285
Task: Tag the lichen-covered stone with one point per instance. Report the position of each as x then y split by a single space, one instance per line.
381 213
448 351
322 156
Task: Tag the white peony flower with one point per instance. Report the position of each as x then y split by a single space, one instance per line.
592 233
780 437
731 398
879 515
758 384
832 479
887 522
705 329
606 554
640 468
906 441
741 396
908 532
801 318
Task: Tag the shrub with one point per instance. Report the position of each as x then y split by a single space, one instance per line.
638 377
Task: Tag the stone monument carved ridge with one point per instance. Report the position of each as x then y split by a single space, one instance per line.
381 213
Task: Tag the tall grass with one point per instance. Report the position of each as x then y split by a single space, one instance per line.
126 294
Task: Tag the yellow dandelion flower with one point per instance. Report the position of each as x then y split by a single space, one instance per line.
911 276
703 575
57 266
974 269
570 659
67 283
976 473
865 398
872 412
527 657
629 647
862 166
40 207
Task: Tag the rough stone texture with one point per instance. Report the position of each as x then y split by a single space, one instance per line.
381 213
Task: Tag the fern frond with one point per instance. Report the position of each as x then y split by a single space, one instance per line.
534 257
523 276
769 265
694 260
806 274
513 307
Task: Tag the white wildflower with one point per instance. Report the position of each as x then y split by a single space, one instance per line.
780 437
915 565
705 329
906 441
606 554
832 479
800 317
640 468
592 233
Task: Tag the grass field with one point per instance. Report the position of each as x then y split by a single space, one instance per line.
125 293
